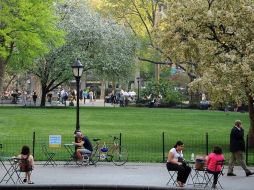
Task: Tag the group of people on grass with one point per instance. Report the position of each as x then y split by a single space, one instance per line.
175 161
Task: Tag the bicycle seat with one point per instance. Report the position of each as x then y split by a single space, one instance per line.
96 139
104 149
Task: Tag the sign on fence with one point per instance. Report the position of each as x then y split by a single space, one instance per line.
55 141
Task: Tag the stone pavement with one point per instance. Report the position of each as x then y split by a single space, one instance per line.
96 103
141 175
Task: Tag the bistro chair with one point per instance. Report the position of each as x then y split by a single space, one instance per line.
23 166
49 155
172 177
199 177
210 175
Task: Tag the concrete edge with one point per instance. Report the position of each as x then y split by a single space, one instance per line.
85 187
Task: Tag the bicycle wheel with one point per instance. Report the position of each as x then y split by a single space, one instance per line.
95 157
120 156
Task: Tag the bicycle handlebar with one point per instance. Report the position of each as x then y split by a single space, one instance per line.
114 137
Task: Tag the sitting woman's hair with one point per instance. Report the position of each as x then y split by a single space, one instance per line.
178 143
25 150
217 150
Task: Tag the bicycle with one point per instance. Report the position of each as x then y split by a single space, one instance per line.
115 153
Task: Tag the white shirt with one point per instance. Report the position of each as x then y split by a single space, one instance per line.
176 154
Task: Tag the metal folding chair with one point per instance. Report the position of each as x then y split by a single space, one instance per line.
87 158
23 166
210 175
172 176
199 177
49 155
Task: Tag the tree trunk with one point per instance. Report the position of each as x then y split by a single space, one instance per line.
2 73
102 90
251 116
44 92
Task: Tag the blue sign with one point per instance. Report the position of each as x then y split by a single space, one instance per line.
55 140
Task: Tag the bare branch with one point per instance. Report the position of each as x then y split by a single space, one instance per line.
155 62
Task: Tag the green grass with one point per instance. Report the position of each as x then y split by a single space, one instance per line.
141 128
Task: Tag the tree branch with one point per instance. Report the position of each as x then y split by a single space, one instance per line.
143 21
210 2
155 62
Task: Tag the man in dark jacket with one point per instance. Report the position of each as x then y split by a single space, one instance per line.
237 149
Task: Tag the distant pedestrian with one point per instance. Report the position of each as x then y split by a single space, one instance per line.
85 95
24 97
49 96
91 95
34 97
81 94
237 149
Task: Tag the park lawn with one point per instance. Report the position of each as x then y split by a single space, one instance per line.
141 128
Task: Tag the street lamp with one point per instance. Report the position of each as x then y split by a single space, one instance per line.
138 80
77 69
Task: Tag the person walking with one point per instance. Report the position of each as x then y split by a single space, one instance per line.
24 97
34 98
237 149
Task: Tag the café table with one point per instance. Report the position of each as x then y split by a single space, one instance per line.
11 166
71 150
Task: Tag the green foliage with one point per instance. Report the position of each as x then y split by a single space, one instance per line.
217 41
164 90
27 29
103 46
142 17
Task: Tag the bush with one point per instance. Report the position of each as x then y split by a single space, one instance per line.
164 92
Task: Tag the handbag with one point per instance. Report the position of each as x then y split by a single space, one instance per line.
180 159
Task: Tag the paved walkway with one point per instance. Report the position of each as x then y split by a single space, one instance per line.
131 174
97 103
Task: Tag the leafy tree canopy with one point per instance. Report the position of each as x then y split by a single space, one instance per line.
103 45
216 36
28 28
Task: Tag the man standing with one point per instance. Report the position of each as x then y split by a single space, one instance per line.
237 149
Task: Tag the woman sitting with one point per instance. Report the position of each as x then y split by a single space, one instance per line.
26 163
212 166
175 163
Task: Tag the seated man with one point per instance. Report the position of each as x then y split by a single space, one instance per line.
83 145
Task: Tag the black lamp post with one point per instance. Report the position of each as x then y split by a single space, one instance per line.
77 69
138 80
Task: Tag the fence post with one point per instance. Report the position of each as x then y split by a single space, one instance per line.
206 143
247 147
120 139
163 147
33 144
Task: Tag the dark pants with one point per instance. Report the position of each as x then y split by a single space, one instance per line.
183 171
215 176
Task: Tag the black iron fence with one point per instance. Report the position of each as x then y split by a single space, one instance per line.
151 148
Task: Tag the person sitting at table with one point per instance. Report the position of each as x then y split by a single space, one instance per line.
83 145
26 163
175 162
212 159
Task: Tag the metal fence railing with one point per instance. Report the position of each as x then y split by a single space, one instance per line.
151 148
